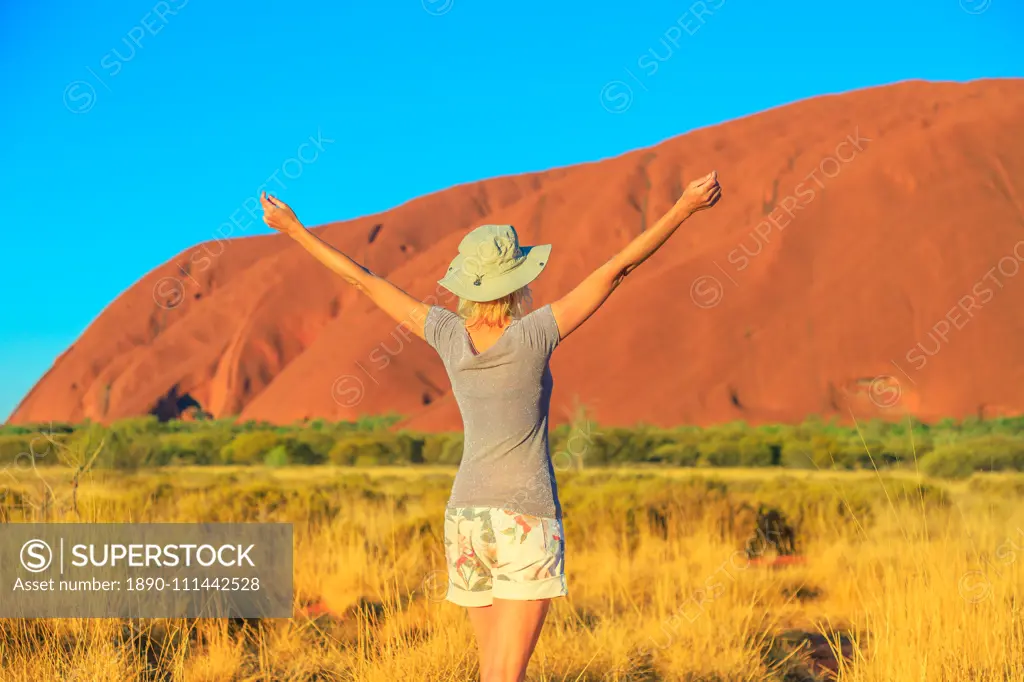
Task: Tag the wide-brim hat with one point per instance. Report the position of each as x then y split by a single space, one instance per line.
492 264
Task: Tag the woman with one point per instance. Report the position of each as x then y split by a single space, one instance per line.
503 530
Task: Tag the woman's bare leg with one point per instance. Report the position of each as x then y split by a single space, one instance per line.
516 629
483 620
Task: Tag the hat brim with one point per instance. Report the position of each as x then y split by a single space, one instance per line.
460 281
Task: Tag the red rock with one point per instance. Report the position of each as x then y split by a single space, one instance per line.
913 224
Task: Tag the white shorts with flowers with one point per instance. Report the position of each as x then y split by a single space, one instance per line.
497 554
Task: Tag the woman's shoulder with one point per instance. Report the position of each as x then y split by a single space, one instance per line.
438 313
539 328
538 317
440 326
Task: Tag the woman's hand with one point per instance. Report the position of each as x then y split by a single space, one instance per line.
279 215
578 305
700 194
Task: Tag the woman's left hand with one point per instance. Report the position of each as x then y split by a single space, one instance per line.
701 194
279 216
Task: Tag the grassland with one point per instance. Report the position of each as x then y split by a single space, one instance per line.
902 578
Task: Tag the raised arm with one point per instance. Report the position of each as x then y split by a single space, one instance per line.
574 308
402 307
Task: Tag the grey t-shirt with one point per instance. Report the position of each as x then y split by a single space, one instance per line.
504 394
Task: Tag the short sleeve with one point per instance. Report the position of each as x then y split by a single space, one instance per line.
439 328
541 330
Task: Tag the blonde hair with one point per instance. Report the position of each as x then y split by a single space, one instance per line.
495 313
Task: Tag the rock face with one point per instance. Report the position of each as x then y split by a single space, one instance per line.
864 262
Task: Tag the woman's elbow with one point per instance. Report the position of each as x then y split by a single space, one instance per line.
620 275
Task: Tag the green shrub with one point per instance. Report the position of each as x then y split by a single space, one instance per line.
452 451
954 460
379 448
981 453
797 454
136 425
677 454
32 449
596 446
301 453
376 422
900 449
122 447
836 452
277 457
313 446
203 447
348 449
442 448
21 450
998 452
997 485
250 447
854 454
719 452
755 452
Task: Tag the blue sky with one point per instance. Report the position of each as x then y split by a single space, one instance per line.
133 129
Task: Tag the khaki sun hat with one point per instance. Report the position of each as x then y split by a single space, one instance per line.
491 264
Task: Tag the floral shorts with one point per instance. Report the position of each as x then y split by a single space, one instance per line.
498 554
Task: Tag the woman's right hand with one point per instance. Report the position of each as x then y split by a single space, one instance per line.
279 216
702 193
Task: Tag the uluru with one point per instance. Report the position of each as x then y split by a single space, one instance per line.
865 262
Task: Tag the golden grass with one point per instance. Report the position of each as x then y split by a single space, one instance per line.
918 586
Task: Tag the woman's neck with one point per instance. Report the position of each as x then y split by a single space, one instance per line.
477 323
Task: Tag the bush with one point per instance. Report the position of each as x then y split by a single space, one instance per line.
250 447
830 451
719 452
119 447
21 450
901 450
277 457
595 446
35 448
754 452
348 449
797 454
301 453
313 446
677 454
997 485
254 447
442 448
377 448
452 451
200 448
949 461
136 425
982 453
